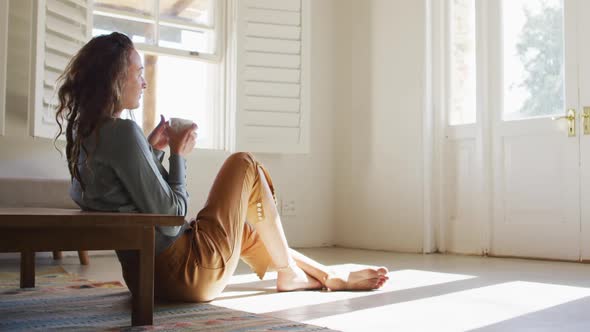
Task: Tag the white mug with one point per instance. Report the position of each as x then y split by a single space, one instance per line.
179 124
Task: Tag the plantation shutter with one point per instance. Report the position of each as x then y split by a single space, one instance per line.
61 28
272 76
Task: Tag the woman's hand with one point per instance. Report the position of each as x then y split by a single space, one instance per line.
158 138
183 142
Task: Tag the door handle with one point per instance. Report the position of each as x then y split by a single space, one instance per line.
586 120
570 116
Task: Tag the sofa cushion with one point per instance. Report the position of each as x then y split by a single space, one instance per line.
35 192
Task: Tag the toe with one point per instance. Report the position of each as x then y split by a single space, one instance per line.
371 273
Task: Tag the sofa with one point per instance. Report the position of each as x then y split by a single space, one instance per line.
39 193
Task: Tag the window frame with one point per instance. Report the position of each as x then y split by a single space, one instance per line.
218 28
219 113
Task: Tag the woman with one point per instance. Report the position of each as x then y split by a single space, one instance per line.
115 168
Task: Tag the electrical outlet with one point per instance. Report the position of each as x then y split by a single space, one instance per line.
288 208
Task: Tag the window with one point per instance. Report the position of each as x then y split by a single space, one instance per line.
181 43
533 46
245 81
462 56
531 55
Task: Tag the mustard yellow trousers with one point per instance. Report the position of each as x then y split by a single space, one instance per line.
199 264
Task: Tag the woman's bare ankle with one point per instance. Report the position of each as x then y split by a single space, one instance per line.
291 278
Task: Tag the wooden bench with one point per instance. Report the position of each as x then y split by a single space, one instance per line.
28 230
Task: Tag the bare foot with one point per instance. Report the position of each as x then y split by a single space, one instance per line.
366 279
294 278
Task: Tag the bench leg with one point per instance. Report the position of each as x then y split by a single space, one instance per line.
57 255
83 256
27 269
143 300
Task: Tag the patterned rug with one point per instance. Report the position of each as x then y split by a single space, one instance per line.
62 301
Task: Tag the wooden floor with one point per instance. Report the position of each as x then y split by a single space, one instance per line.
425 293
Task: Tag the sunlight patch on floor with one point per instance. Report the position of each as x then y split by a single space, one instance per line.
248 300
237 279
459 311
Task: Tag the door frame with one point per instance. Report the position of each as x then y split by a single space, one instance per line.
444 135
489 81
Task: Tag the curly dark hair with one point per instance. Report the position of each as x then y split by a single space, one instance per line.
90 90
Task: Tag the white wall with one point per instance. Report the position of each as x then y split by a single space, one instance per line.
361 185
308 179
378 139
